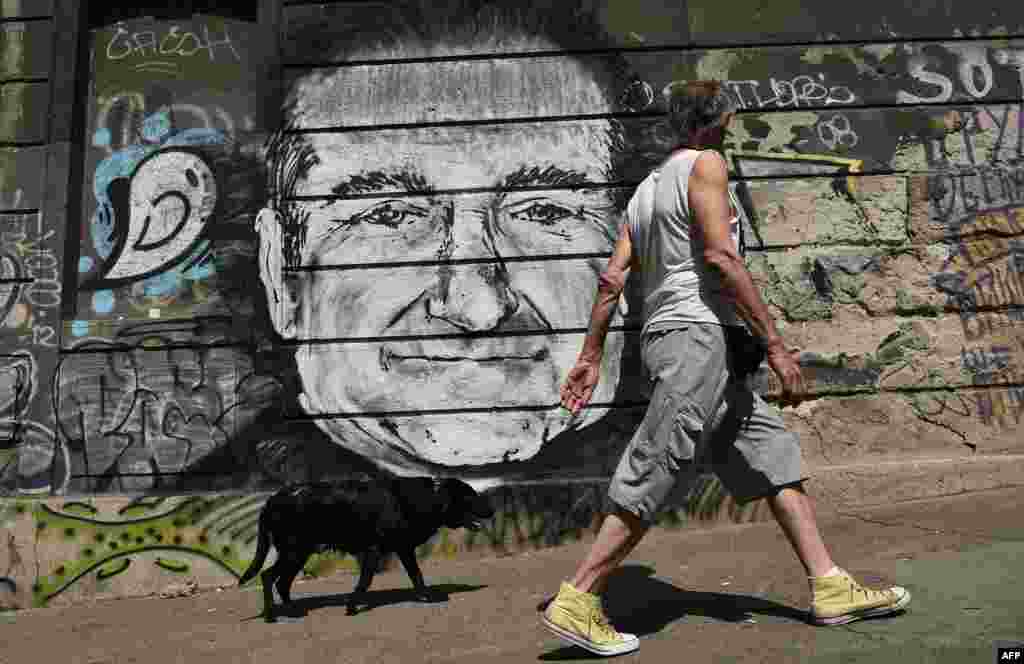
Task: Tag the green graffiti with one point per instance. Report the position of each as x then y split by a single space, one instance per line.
900 347
214 528
908 305
113 568
847 288
792 292
140 508
75 507
172 565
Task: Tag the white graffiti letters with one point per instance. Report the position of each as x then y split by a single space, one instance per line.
175 42
837 132
25 254
973 72
799 92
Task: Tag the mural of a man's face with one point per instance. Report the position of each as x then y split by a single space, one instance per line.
466 325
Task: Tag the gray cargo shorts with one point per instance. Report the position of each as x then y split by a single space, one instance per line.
700 419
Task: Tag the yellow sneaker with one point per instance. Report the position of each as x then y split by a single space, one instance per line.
577 617
839 600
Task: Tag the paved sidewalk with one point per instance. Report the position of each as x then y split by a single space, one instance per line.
733 594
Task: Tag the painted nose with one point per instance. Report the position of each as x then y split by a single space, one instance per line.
474 297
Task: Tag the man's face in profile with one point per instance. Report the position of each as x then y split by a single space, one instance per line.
462 324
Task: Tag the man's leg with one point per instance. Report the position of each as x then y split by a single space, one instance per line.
794 512
620 532
646 475
764 460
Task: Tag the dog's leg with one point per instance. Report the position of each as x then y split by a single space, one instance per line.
267 577
291 566
368 561
412 568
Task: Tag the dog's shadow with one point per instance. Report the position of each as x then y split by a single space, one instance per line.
300 606
638 603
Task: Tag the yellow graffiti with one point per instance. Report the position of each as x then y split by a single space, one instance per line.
852 167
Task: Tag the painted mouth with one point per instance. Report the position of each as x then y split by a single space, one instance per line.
388 357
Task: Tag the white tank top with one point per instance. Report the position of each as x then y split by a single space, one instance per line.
676 286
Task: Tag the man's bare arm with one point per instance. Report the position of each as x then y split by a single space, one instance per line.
609 287
709 202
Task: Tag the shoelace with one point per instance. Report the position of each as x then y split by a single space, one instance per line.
601 621
868 593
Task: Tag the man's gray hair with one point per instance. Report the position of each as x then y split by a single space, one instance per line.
696 105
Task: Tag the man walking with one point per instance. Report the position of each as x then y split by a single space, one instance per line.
680 240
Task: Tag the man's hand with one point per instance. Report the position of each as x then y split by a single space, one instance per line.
579 385
785 366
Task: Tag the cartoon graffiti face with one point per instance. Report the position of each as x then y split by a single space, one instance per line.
172 196
438 267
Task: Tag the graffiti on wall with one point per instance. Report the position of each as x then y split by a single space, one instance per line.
31 458
176 121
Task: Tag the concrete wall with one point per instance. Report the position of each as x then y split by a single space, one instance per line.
359 234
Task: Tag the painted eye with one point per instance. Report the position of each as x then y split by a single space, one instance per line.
389 213
541 213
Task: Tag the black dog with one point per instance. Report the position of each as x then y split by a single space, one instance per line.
365 518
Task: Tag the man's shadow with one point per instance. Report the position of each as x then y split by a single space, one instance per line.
300 606
637 603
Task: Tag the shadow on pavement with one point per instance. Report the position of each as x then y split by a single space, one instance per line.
301 606
640 604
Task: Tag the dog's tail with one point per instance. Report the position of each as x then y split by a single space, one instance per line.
262 548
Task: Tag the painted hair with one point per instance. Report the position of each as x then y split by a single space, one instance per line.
483 24
695 106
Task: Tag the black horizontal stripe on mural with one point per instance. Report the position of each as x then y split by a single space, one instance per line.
94 347
22 144
148 492
300 3
20 280
325 198
26 19
23 80
476 123
462 336
18 211
454 411
341 267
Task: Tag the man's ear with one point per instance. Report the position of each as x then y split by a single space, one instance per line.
280 300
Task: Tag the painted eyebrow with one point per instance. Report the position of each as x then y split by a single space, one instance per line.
535 176
374 181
